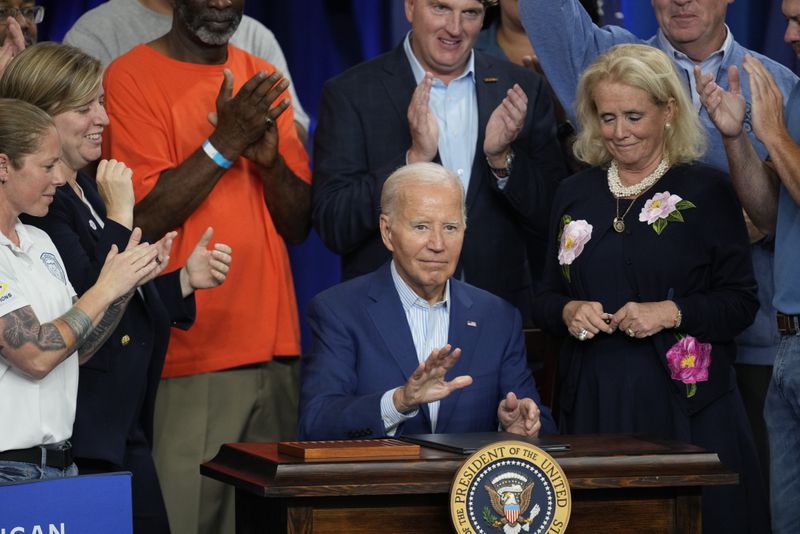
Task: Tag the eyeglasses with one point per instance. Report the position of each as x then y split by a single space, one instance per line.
31 14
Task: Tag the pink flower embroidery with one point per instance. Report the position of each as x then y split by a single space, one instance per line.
659 207
572 236
688 361
662 209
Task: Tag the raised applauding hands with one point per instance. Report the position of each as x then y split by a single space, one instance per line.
116 190
205 268
725 108
13 44
245 122
123 271
422 124
504 126
766 99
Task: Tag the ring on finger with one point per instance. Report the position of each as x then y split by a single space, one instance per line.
582 335
270 122
631 332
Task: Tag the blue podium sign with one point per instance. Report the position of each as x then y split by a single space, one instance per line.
92 504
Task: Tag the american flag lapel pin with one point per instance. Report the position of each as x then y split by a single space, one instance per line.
473 324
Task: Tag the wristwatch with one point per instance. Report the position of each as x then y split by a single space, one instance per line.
505 171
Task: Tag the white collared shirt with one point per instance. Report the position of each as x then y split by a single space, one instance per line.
429 324
35 412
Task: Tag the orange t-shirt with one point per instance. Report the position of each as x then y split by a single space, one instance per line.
158 111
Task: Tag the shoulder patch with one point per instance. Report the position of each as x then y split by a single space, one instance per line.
51 262
5 292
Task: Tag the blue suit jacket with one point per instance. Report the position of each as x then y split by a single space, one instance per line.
362 347
362 137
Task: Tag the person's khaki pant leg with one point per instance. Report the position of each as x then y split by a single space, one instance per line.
273 417
275 414
194 416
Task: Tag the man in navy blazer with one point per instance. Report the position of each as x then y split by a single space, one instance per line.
385 342
433 99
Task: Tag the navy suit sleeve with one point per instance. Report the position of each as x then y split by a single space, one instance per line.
182 310
346 190
729 304
538 166
550 301
330 406
516 376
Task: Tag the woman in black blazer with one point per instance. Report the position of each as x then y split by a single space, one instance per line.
116 393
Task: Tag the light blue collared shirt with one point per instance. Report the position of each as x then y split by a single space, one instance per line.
429 324
711 64
455 106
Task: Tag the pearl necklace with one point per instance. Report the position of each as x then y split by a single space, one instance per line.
622 191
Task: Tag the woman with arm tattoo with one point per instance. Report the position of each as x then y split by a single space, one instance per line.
41 324
116 392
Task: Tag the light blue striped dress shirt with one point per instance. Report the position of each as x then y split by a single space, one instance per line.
455 106
429 325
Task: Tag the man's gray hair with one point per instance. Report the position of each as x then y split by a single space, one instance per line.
418 173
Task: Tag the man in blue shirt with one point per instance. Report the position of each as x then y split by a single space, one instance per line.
692 33
770 192
433 99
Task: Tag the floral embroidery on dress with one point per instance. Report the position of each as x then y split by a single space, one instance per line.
572 237
688 361
662 209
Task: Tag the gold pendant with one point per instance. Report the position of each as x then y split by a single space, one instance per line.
619 225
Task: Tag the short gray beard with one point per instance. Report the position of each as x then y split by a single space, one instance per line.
194 24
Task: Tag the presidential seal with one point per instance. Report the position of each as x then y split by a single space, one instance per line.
510 487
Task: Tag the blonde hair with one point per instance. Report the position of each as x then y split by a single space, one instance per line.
23 126
418 173
52 76
650 70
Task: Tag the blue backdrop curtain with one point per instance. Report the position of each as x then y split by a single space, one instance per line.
321 38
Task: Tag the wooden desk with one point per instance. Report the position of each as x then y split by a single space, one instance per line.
619 484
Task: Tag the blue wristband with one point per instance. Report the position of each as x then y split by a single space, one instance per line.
215 156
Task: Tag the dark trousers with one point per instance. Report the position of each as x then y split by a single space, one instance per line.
149 513
753 381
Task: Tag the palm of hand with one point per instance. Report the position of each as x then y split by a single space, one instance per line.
263 151
425 133
499 133
430 387
198 267
729 114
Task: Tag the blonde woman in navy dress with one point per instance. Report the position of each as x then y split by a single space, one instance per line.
649 274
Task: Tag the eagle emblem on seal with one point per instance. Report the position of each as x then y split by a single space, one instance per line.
510 495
